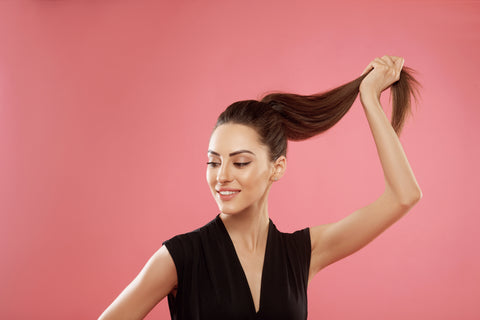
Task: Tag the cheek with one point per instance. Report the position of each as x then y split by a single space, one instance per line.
210 177
256 179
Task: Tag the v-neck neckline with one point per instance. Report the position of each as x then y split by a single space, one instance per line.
242 271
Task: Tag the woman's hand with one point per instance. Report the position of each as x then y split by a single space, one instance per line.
386 71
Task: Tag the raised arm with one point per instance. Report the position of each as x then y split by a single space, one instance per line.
335 241
156 280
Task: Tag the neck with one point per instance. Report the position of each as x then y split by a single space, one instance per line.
249 228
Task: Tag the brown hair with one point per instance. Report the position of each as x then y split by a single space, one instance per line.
279 117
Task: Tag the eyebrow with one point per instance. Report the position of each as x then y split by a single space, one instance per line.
231 154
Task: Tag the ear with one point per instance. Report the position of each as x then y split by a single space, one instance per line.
279 167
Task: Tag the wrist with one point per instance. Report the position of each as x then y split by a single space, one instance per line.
369 97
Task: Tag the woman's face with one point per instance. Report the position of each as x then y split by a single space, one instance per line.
239 170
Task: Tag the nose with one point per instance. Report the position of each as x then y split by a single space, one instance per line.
224 174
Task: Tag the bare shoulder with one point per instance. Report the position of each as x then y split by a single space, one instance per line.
162 263
159 276
154 282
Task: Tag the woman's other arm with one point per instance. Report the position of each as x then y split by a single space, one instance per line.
335 241
156 280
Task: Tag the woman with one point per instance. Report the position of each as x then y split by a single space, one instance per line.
239 266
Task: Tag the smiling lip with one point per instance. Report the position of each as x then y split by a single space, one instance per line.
227 194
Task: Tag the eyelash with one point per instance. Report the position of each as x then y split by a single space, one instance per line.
241 164
213 164
237 164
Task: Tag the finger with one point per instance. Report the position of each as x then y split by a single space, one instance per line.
379 61
399 63
389 61
397 67
372 65
385 61
395 58
367 69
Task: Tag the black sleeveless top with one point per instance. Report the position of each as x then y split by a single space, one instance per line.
212 284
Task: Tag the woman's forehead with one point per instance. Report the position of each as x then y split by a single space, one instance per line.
228 138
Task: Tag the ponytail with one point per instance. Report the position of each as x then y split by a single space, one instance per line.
307 116
279 117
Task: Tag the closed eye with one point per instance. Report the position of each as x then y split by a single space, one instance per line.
241 164
213 164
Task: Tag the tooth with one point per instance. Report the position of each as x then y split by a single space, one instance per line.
226 193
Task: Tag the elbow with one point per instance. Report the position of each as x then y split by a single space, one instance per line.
405 197
411 198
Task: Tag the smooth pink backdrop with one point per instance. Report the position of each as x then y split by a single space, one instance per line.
106 108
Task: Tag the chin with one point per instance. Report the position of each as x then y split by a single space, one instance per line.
229 210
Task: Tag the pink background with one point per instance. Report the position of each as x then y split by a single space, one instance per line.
106 108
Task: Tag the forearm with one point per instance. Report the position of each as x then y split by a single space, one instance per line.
400 181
